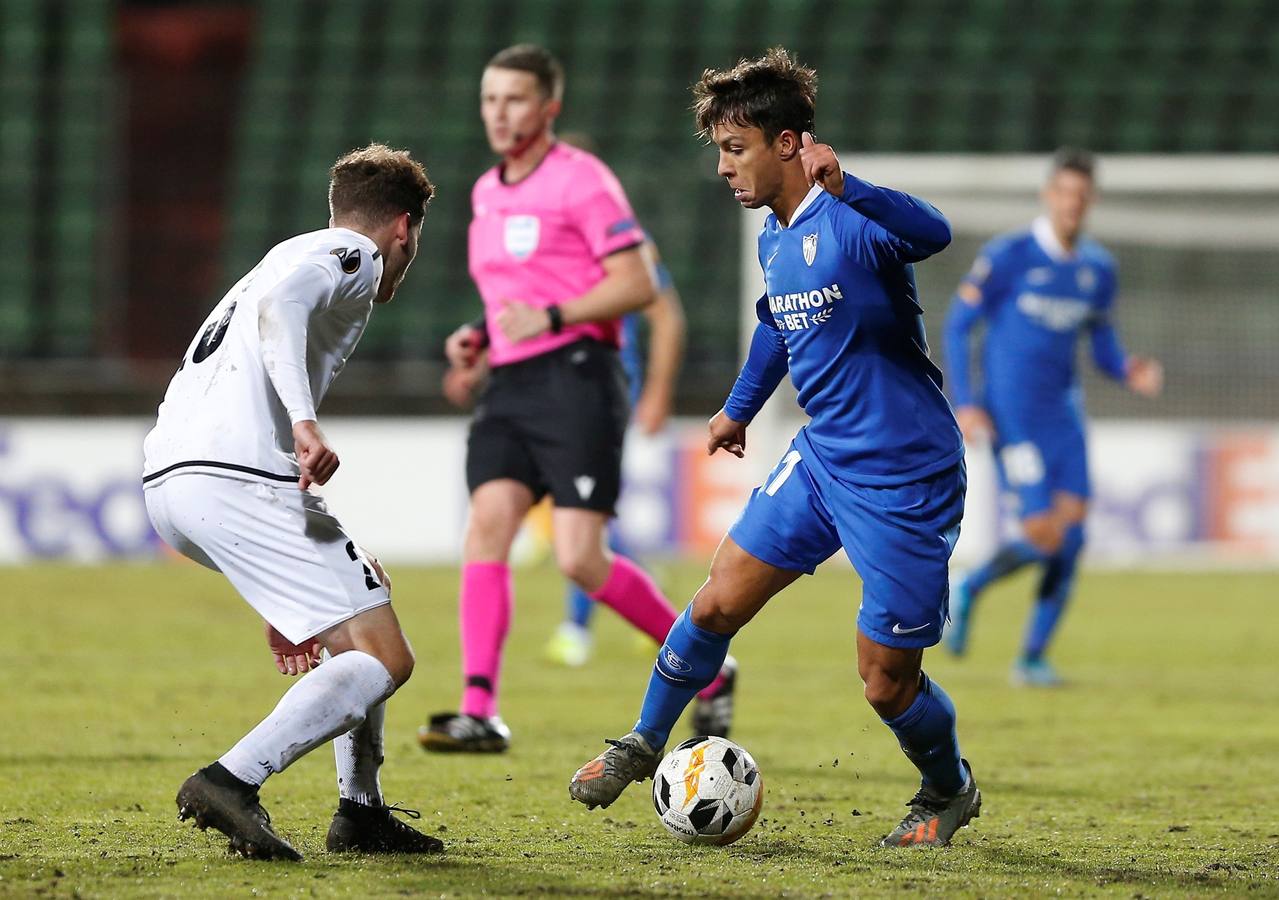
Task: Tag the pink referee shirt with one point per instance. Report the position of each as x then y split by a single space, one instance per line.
542 241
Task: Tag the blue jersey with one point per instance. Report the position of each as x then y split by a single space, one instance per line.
631 353
1035 298
842 313
632 360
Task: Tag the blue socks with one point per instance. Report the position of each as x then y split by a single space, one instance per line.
688 661
1007 560
580 606
1054 591
926 732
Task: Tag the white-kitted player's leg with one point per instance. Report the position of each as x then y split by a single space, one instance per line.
329 701
291 559
157 501
363 821
293 562
359 755
326 702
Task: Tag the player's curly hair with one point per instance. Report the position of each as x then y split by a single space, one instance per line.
376 183
774 93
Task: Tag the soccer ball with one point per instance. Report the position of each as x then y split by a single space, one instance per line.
708 791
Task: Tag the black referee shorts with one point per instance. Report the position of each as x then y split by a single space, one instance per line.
556 423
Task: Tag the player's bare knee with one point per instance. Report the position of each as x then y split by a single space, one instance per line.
1070 509
1043 533
889 692
586 566
388 646
401 669
486 541
715 613
399 662
571 562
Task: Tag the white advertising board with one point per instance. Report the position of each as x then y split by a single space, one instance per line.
1164 493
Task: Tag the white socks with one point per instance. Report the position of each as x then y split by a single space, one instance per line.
359 757
329 701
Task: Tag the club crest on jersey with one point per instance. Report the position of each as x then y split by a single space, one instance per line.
349 258
810 248
521 234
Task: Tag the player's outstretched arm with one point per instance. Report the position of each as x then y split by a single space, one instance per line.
965 311
665 353
765 366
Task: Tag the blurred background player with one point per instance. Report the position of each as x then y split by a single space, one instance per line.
557 255
1037 290
227 468
652 390
879 467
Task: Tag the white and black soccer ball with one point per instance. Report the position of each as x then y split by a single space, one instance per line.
708 791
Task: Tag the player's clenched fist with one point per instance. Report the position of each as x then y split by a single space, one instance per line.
726 434
316 458
821 166
463 347
1145 376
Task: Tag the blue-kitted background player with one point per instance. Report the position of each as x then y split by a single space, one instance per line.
1037 290
879 468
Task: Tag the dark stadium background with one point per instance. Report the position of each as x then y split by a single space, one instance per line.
152 151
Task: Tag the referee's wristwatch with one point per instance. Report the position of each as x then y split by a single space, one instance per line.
556 317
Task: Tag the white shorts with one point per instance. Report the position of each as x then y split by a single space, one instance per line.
280 547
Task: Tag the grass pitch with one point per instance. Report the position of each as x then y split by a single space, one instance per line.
1151 774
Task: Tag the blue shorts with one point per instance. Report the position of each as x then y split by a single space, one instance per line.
898 538
1037 460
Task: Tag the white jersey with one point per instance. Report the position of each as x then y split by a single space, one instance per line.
264 359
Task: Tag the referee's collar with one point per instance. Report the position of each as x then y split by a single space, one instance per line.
1046 238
